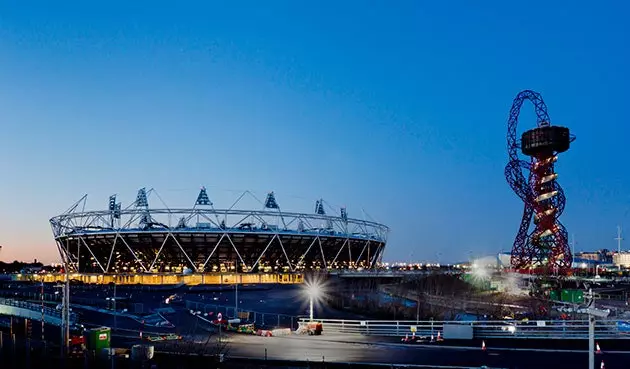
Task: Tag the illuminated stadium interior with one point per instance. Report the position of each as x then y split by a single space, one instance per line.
204 239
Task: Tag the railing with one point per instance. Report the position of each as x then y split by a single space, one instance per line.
30 306
261 319
37 308
566 329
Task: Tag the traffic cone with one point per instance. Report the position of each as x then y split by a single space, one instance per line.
432 338
439 337
406 337
413 335
483 345
602 365
597 349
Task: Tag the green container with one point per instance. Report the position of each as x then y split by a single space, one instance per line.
578 296
572 296
98 339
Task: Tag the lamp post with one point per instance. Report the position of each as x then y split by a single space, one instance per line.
238 279
313 291
65 313
591 341
311 307
114 306
592 313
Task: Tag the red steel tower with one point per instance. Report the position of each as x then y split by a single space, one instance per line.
544 249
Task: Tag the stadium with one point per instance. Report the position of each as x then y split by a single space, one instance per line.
141 240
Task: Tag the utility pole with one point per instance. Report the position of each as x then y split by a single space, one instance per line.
65 314
417 307
573 244
114 306
42 297
113 358
618 239
236 292
417 301
591 341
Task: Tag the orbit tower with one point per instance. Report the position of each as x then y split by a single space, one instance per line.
545 249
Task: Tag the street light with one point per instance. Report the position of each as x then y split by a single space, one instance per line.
314 292
592 313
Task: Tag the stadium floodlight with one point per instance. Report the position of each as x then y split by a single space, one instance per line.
112 203
344 214
319 207
203 198
270 202
117 210
141 199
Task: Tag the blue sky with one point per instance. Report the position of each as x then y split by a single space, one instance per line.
399 108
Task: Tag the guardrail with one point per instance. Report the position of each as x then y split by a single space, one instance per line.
35 311
565 329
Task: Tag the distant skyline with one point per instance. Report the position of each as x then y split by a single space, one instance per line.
398 108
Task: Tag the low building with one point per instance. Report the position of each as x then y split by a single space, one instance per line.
580 262
602 256
622 259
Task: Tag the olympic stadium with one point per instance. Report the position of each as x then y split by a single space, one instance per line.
203 239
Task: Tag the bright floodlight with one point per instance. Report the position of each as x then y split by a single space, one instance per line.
480 272
314 291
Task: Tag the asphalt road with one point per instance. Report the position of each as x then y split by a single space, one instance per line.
361 349
334 349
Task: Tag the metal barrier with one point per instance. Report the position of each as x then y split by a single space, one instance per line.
33 311
564 329
261 319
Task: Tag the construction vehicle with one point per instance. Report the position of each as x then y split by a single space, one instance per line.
311 328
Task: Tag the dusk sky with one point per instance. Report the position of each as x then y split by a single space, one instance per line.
396 107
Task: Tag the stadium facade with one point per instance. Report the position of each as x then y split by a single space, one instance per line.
139 239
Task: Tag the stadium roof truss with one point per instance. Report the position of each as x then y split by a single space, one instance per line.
140 239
